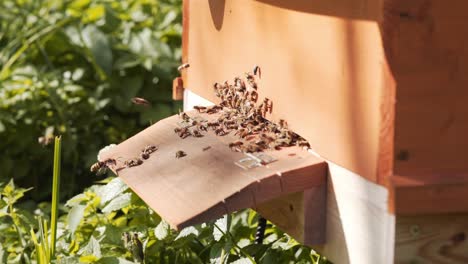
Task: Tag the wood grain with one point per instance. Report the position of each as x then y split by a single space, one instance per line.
428 192
206 184
430 64
302 215
432 239
359 228
315 68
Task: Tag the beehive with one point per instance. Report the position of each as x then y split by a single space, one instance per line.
378 89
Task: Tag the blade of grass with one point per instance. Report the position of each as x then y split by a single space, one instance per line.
55 195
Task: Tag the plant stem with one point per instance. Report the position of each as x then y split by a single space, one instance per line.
55 195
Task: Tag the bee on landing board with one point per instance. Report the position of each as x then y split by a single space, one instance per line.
179 154
101 167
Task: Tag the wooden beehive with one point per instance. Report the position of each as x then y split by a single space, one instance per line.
378 89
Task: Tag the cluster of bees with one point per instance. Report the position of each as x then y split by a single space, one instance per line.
239 112
102 166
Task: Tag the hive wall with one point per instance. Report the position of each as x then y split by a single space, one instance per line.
322 62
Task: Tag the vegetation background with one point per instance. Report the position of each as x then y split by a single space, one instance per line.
70 68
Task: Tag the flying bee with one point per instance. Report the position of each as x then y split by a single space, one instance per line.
140 101
183 66
200 109
133 162
179 154
101 167
257 71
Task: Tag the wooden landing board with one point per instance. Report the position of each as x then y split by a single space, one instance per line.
206 184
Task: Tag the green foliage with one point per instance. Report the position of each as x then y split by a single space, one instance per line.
96 222
71 68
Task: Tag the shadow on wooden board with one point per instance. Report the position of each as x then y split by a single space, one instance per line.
361 9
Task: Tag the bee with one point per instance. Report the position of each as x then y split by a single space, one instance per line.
183 66
182 132
283 124
150 149
252 148
101 167
202 127
221 132
235 146
140 101
45 140
254 96
145 155
200 109
243 132
206 148
179 154
213 124
184 116
196 133
251 80
257 71
133 162
303 143
214 109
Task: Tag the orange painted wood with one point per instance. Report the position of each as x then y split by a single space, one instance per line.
323 65
206 184
430 62
416 192
178 89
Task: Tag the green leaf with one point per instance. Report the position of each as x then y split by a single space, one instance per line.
75 215
114 260
89 259
92 250
69 260
98 43
162 230
94 13
111 190
120 202
187 232
220 228
243 261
